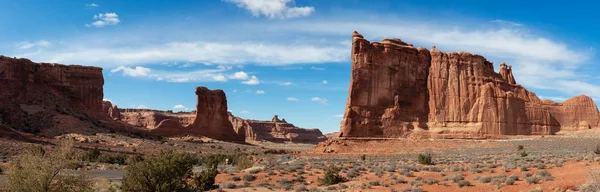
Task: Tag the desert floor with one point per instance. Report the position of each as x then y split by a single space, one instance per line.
545 163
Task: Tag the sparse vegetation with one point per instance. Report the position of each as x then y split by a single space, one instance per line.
164 172
425 159
331 177
38 170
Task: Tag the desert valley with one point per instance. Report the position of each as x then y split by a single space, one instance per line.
414 119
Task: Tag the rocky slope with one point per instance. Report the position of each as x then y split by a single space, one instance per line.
49 99
397 90
275 130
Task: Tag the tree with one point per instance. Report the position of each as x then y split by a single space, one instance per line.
166 171
39 171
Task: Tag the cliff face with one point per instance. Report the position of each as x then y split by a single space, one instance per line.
275 131
210 118
396 90
36 95
577 113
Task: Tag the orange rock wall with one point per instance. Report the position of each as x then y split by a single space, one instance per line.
396 90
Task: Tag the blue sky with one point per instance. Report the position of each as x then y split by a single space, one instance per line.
292 57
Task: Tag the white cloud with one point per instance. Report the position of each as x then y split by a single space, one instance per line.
339 115
317 68
324 82
286 83
104 20
29 45
252 81
221 53
273 8
244 112
141 107
293 99
206 75
318 99
260 92
93 5
557 99
239 75
179 106
134 72
105 99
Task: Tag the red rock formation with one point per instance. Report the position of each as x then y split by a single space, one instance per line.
275 131
577 113
151 118
396 90
211 119
112 111
35 96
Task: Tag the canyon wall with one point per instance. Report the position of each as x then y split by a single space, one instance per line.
35 96
275 130
397 90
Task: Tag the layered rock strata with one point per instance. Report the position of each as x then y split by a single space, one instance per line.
275 130
39 96
397 90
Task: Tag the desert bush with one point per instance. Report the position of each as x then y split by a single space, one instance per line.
463 183
431 181
520 147
425 159
510 181
243 162
363 157
249 177
544 175
300 188
524 154
331 177
236 178
532 180
228 185
593 183
206 179
485 179
597 150
412 189
36 170
374 183
455 178
166 171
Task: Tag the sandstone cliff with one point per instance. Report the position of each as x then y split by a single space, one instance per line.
275 130
397 89
49 98
210 118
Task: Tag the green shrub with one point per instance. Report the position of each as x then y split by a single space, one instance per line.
206 179
464 183
520 147
36 170
532 180
249 177
166 171
524 154
243 162
331 177
425 159
229 185
363 157
92 155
